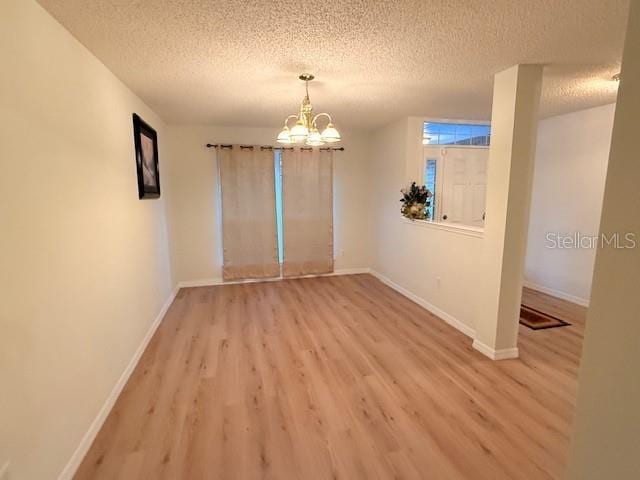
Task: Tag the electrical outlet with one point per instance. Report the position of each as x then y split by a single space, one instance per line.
438 282
4 471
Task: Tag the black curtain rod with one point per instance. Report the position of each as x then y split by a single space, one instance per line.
266 147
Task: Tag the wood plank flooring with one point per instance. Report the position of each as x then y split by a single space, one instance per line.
336 378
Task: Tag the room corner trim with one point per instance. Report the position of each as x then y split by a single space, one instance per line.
76 459
557 293
451 320
502 354
209 282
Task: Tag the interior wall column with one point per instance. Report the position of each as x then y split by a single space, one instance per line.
606 436
514 120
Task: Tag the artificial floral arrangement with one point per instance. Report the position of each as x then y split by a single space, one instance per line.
415 201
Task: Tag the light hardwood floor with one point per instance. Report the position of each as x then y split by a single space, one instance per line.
337 378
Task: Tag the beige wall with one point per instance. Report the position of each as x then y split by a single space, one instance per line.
84 264
194 205
436 265
571 162
606 437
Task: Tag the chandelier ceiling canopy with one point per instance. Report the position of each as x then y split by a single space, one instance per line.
306 129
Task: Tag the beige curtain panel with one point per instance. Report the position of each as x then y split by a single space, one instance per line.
249 231
307 211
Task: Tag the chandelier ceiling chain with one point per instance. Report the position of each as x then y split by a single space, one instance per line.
306 127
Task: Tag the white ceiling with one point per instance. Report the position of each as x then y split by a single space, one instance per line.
236 62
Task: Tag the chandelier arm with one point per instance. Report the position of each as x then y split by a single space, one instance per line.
286 121
313 122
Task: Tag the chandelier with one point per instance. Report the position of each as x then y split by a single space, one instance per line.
306 127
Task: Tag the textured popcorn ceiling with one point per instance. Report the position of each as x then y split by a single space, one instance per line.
236 62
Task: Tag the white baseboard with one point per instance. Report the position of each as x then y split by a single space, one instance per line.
454 322
203 282
208 282
351 271
502 354
88 438
557 293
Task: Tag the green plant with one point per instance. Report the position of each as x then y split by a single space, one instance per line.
415 200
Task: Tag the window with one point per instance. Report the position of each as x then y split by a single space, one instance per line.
430 167
437 133
455 163
277 157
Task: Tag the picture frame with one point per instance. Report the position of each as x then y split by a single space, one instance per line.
146 149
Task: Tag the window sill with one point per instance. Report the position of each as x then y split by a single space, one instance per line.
447 227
